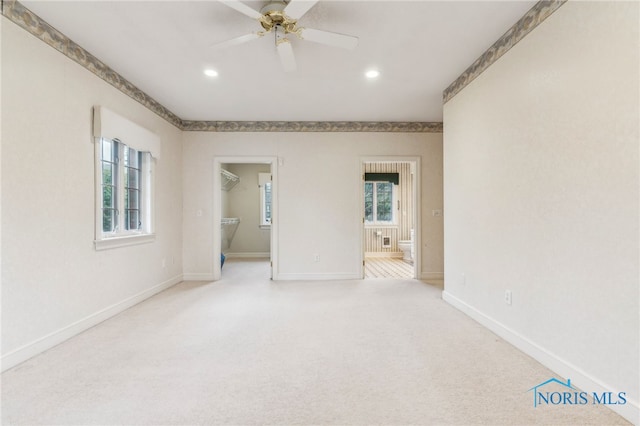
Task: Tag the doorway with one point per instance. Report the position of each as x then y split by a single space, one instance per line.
244 213
390 206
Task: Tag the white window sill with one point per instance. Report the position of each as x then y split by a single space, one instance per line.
380 225
128 240
265 227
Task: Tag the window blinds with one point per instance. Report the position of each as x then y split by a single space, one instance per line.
393 178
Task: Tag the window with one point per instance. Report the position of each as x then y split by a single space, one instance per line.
378 203
265 184
124 200
125 154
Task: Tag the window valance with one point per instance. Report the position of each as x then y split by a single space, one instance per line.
393 178
109 125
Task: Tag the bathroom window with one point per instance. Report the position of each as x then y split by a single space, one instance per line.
379 199
265 184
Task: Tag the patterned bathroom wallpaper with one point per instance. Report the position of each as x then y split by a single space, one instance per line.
538 13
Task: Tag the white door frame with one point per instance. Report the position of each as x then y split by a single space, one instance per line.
217 209
417 207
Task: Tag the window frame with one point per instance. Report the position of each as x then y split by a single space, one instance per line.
394 202
265 179
121 236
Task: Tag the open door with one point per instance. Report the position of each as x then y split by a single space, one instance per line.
245 211
390 217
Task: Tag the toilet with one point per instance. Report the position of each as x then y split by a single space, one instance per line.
406 246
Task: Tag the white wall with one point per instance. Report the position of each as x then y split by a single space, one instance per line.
54 283
319 188
244 203
541 196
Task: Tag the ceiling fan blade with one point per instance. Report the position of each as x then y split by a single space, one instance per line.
238 40
242 8
285 52
296 8
331 39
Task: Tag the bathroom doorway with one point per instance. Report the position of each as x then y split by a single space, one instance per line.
390 210
244 214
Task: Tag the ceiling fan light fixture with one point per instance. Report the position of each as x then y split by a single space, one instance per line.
371 74
281 17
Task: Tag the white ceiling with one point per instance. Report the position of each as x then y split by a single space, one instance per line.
420 47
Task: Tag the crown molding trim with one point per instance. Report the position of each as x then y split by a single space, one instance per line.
534 17
312 126
36 26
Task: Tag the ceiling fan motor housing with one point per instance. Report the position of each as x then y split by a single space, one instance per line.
273 15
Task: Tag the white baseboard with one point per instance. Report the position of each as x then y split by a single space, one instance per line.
582 380
316 277
198 277
432 276
257 255
42 344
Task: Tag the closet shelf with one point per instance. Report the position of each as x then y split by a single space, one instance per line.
229 180
229 221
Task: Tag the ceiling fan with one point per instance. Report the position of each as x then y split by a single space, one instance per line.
281 18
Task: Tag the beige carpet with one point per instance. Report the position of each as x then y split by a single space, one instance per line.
246 350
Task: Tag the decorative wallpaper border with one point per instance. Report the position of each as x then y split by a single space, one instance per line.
312 126
534 17
32 23
35 25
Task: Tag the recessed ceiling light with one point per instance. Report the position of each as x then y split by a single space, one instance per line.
210 73
372 74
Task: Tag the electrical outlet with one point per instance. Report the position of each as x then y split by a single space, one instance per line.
164 262
316 258
507 297
463 279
